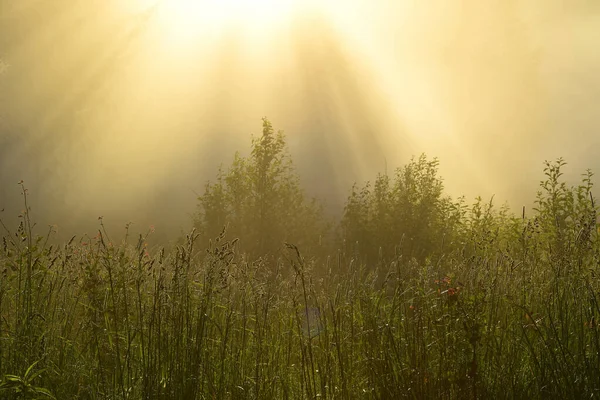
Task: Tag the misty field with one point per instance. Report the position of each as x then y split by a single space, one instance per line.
411 294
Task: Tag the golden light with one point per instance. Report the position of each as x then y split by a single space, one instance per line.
161 84
188 20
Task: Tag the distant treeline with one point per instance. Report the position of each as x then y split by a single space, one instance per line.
259 200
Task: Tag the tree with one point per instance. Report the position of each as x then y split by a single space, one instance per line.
259 200
407 214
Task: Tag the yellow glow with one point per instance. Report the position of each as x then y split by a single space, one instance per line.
134 96
189 20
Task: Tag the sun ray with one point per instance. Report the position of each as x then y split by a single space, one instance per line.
182 22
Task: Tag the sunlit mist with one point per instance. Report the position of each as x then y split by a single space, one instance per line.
183 23
126 108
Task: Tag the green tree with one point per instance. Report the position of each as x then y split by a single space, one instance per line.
407 214
566 216
259 200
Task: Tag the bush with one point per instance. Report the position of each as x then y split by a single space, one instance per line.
405 215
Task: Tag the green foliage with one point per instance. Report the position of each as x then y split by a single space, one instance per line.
566 215
486 304
22 387
407 215
260 201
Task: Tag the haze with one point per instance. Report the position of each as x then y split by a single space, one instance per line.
126 111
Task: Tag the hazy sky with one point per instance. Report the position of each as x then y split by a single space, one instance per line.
125 112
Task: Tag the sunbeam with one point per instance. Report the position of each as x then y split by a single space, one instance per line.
184 23
113 101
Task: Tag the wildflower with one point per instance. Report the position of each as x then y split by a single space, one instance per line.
590 324
412 307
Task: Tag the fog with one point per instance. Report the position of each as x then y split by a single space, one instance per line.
109 111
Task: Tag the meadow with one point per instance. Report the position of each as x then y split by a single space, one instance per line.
412 294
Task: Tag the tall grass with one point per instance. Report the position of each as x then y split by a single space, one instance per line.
509 310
